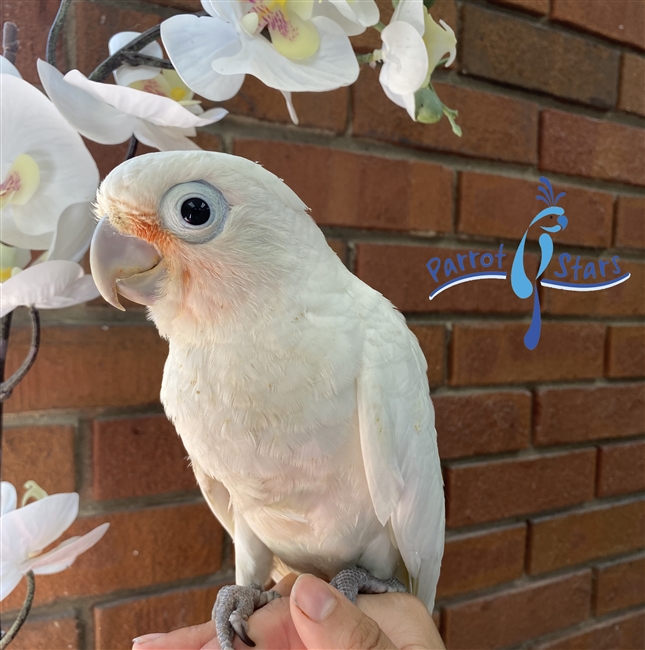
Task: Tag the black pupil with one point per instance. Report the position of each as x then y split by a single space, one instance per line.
195 211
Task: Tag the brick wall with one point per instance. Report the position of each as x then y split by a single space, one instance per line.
543 452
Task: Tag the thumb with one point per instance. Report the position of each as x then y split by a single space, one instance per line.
325 619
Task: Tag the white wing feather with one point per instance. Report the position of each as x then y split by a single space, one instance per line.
399 443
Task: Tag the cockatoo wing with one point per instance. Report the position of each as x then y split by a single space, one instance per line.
399 444
217 497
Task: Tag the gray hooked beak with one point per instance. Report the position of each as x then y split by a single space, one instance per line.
127 265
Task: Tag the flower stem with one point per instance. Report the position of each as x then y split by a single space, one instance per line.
55 30
124 55
4 344
132 148
24 612
10 42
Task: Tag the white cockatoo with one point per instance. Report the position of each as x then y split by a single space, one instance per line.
298 391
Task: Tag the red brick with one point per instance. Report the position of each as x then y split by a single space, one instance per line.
579 146
42 454
619 20
109 366
630 222
580 414
516 615
621 468
495 354
619 585
480 560
493 126
482 423
141 548
625 299
432 339
357 190
632 84
497 206
400 274
117 624
192 6
626 632
33 20
532 6
94 26
626 352
47 634
139 456
566 540
520 53
322 110
486 491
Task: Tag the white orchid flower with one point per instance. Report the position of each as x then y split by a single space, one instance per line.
111 114
165 83
354 16
213 53
413 46
28 530
47 175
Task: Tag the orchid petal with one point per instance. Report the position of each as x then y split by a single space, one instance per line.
33 527
364 12
12 235
90 116
6 67
161 111
193 43
73 234
328 10
77 292
405 101
439 41
8 498
9 580
405 64
127 74
290 107
31 125
164 139
412 12
229 10
65 553
38 285
334 64
11 257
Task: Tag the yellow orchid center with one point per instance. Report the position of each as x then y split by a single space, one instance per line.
12 261
167 84
21 181
292 32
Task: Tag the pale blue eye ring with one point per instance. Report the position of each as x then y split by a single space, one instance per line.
172 211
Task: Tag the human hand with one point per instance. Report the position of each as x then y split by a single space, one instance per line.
317 617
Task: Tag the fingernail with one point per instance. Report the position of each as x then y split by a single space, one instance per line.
313 597
146 637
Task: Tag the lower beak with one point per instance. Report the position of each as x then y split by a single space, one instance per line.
125 265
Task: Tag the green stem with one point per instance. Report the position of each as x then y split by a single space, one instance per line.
24 612
55 30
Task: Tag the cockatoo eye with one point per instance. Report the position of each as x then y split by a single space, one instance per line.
195 211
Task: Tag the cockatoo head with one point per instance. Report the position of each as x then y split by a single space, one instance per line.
194 232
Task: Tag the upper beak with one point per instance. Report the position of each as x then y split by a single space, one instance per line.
127 265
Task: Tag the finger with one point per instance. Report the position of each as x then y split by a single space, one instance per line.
188 638
324 618
404 619
285 585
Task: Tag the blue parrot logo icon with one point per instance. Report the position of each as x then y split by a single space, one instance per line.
522 286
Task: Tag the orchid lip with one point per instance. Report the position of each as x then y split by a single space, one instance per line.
124 265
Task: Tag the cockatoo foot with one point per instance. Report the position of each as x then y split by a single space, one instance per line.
233 606
356 580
